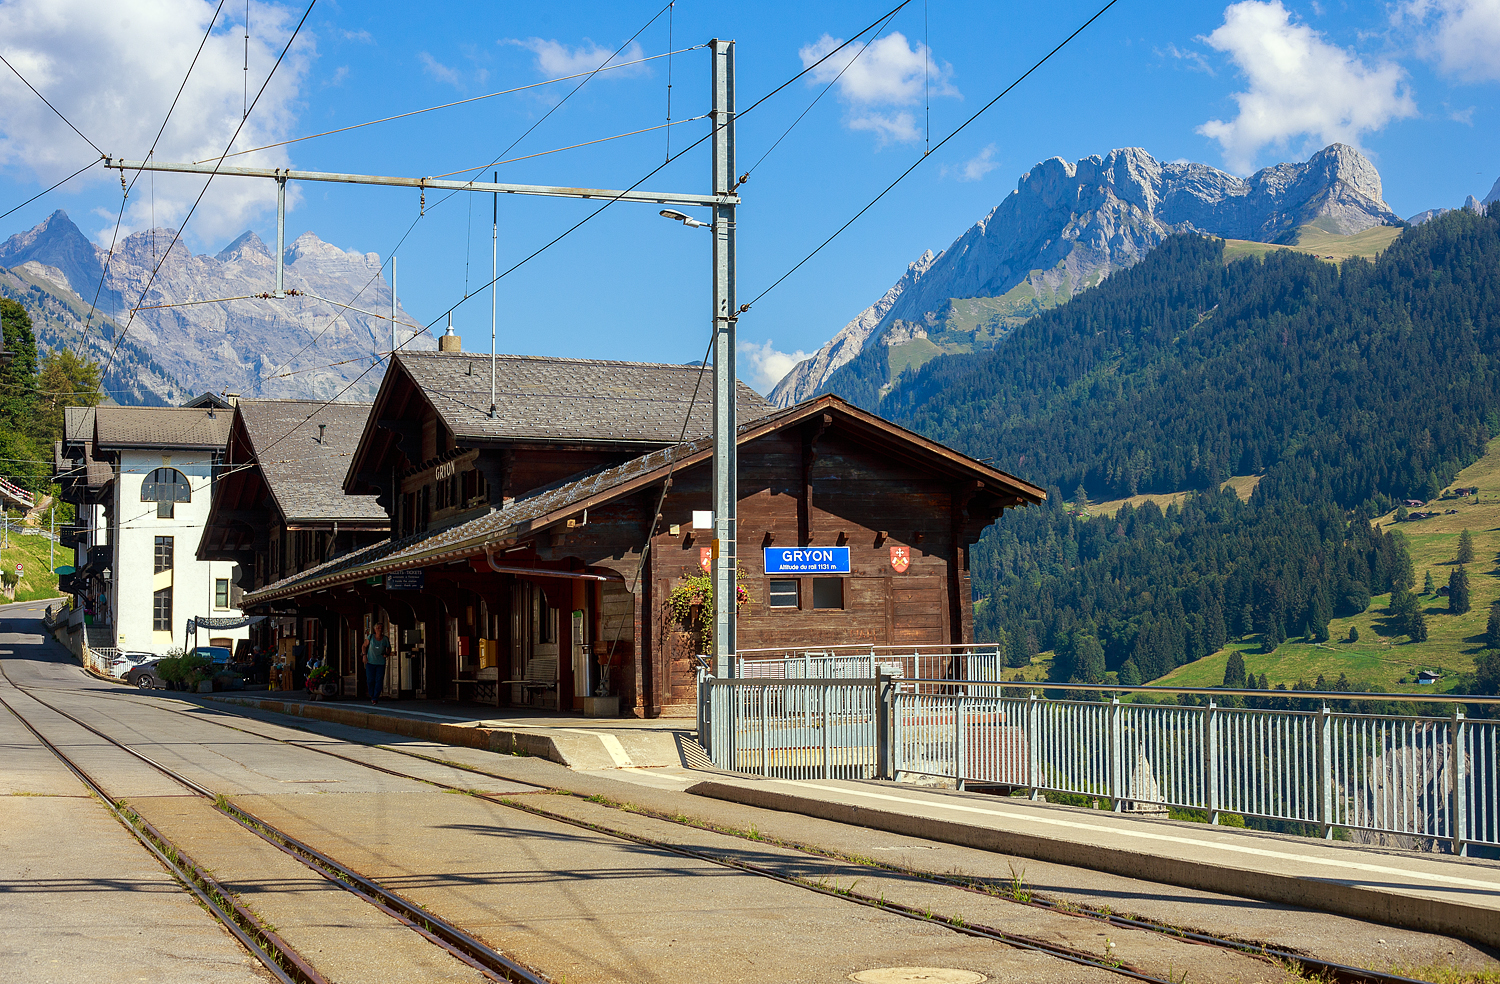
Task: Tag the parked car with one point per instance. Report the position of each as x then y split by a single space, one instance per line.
144 675
217 655
123 661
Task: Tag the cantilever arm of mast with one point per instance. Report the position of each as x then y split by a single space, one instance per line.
485 187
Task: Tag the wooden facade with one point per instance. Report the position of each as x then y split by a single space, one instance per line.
547 574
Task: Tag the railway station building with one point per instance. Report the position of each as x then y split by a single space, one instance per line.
549 549
279 508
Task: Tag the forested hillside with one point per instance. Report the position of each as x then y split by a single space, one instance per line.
1349 386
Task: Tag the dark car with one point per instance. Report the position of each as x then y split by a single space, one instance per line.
144 675
218 655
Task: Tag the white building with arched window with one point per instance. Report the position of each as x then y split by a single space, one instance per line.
148 579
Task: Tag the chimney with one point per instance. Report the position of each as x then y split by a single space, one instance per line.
449 341
321 429
233 399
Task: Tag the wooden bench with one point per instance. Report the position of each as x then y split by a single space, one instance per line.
541 676
486 679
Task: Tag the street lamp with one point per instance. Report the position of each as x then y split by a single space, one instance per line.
687 220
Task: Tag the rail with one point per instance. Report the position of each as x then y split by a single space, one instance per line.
1429 778
981 663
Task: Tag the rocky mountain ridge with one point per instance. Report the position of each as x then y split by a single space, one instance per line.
205 324
1066 227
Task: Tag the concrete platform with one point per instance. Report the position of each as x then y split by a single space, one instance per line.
572 740
1431 893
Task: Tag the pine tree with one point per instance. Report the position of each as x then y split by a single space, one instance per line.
66 380
17 377
1262 683
1234 671
1129 675
1088 659
1015 648
1492 630
1466 547
1458 590
1427 586
1353 633
1416 625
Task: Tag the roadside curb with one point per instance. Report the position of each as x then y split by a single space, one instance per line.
574 750
1322 894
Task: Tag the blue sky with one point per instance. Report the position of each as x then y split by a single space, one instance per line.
1413 83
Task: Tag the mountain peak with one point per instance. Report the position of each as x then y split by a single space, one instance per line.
56 242
248 242
1066 227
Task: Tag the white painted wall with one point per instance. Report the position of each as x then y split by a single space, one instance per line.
134 532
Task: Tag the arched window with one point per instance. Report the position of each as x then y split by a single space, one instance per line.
165 486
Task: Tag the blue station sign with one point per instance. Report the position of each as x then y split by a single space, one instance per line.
807 560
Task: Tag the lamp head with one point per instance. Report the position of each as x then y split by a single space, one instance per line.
676 216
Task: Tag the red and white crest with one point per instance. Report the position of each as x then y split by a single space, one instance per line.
900 559
706 558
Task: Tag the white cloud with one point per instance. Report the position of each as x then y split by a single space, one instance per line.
362 37
556 60
439 71
874 81
1299 85
889 127
1461 36
974 168
114 70
763 367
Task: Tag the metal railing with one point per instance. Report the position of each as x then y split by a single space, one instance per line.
974 663
791 729
98 660
1430 778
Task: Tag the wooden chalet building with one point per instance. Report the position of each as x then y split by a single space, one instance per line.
529 564
279 507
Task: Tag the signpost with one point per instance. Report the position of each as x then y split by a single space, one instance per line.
412 580
807 560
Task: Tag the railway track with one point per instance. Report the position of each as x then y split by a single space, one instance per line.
278 957
1310 966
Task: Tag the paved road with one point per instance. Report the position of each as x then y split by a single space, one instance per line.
577 904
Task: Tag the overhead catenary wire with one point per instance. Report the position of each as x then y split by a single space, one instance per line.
586 143
125 196
586 77
54 109
51 189
918 162
762 100
456 102
818 98
120 336
757 103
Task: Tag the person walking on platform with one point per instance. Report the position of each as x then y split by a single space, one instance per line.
374 659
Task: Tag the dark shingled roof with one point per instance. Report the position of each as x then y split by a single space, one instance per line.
78 424
553 399
161 427
544 506
305 477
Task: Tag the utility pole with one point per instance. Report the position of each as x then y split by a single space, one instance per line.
722 201
494 284
280 233
725 314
